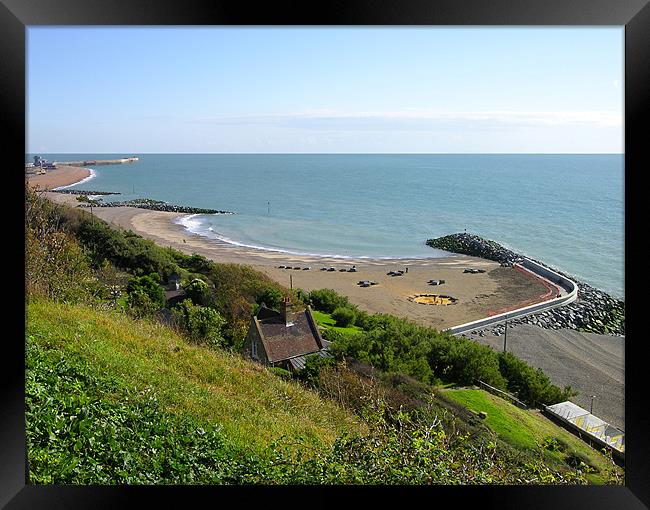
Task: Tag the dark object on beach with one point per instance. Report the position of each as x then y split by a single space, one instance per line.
282 267
395 273
342 270
366 283
436 282
296 268
407 269
331 269
306 268
352 270
473 271
323 269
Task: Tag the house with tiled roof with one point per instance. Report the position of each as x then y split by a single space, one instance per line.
284 339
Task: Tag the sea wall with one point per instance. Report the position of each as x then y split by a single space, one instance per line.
592 310
521 313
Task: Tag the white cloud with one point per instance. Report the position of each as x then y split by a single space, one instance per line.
412 118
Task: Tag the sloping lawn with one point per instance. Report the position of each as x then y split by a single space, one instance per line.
530 430
325 320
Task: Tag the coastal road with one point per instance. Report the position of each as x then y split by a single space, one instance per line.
591 364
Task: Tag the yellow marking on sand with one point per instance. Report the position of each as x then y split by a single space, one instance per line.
434 300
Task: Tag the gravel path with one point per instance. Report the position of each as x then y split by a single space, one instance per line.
590 363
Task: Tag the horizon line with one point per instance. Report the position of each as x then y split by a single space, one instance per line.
349 153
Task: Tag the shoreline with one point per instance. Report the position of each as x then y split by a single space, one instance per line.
478 295
591 363
61 177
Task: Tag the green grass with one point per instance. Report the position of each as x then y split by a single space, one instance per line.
529 430
251 405
325 320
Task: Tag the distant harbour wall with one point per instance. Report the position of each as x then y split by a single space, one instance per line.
97 162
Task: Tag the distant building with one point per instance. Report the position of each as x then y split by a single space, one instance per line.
173 291
174 281
284 339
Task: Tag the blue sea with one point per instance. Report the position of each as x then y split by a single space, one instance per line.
564 210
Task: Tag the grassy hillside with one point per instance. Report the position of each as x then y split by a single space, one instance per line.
252 406
529 430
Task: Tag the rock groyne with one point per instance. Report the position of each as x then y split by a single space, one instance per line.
83 192
155 205
594 311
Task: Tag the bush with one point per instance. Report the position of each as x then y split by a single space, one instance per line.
148 285
344 317
531 385
199 292
125 249
271 297
201 324
314 365
55 264
327 300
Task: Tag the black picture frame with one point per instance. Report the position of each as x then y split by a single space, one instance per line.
16 15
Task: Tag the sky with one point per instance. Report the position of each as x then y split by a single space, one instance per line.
325 89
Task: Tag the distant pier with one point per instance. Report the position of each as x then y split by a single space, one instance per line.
97 162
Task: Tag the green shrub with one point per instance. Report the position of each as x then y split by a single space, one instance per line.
56 267
314 365
148 285
199 292
271 297
344 317
327 300
531 385
201 324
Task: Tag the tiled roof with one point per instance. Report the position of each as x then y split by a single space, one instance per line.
282 342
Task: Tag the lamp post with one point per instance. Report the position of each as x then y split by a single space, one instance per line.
591 409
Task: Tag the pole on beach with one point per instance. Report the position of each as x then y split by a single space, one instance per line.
505 336
291 281
591 408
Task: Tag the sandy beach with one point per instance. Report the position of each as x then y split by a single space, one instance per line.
478 295
60 176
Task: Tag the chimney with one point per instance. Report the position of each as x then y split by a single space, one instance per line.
286 312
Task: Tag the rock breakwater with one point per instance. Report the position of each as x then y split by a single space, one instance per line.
156 205
594 311
83 192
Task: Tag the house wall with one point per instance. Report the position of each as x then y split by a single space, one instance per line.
253 336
